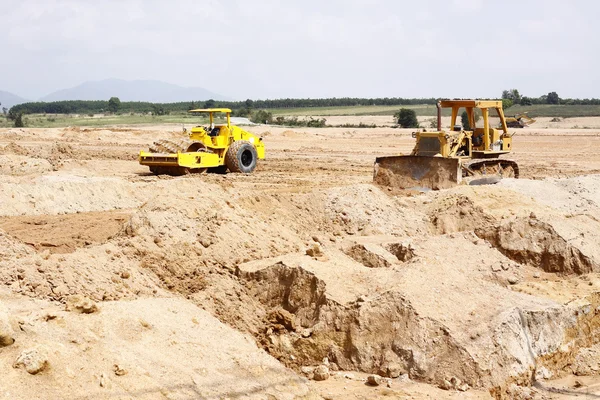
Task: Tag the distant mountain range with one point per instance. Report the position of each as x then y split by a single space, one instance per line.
9 99
137 90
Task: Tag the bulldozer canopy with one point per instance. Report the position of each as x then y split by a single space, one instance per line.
210 110
471 103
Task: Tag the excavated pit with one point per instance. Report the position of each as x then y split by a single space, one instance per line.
429 317
537 243
380 255
384 333
369 256
403 251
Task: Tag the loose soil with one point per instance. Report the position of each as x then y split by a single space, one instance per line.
216 286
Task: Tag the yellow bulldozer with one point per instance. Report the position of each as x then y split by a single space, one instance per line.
218 147
442 159
519 121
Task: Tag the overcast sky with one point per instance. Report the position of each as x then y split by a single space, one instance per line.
306 48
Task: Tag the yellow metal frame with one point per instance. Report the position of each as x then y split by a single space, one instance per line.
451 141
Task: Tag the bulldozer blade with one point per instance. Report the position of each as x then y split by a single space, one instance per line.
417 172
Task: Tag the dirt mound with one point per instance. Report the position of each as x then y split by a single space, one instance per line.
22 165
178 268
56 194
368 256
64 233
140 348
409 321
367 210
14 148
306 257
554 241
60 152
12 248
456 213
574 195
587 361
534 242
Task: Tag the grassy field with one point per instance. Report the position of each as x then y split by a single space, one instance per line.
355 110
548 110
63 120
542 110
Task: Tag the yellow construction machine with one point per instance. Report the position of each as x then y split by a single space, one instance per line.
218 147
519 121
443 159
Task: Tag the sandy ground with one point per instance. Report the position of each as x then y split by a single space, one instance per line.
130 285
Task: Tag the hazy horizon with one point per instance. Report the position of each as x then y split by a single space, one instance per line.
275 49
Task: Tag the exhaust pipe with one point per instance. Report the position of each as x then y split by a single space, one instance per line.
439 115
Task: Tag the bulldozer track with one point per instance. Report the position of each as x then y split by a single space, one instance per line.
491 166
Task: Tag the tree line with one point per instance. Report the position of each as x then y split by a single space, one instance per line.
512 97
102 106
243 108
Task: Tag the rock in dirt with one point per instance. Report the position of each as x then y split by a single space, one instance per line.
321 373
445 385
33 360
6 331
513 280
314 250
118 370
392 371
374 380
282 319
454 384
81 304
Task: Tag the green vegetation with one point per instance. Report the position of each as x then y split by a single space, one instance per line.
512 95
158 109
548 110
507 103
16 117
359 125
265 117
464 119
350 110
322 107
114 105
100 106
262 117
63 120
552 98
295 121
407 118
290 112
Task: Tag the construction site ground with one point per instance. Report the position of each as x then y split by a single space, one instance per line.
117 284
